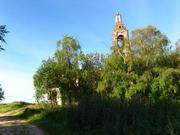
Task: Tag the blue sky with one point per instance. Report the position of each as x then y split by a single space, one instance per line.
36 25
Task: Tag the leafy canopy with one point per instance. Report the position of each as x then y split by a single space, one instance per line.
152 72
72 72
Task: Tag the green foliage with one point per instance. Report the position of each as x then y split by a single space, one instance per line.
100 115
152 73
135 94
148 43
1 93
167 84
89 76
45 78
67 57
114 80
141 80
3 32
73 73
106 116
138 76
61 71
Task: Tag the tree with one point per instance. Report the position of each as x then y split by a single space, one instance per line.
114 80
166 85
139 77
3 32
1 94
61 71
75 74
144 76
67 58
89 73
148 43
45 79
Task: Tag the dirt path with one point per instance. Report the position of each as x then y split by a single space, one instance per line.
10 125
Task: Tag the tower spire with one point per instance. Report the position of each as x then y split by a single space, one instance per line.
118 18
120 36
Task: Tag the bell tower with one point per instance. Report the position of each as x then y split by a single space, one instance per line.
120 36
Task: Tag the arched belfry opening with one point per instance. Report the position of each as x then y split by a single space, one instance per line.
120 40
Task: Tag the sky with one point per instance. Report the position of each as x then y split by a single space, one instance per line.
36 25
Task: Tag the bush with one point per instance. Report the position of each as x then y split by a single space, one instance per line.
108 116
98 115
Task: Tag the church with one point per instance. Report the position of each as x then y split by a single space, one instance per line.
120 39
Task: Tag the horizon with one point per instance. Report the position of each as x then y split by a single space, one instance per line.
36 26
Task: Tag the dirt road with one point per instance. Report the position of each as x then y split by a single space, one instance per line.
10 125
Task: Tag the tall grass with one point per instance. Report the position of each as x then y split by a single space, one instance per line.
106 116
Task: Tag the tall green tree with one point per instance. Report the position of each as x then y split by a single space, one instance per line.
67 58
75 74
150 49
166 85
148 43
114 80
89 73
61 71
45 79
3 32
144 76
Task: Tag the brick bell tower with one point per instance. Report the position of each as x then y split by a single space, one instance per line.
120 36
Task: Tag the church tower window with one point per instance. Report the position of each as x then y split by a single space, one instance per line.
120 40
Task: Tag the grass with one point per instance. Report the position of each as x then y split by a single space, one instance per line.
45 117
105 117
10 107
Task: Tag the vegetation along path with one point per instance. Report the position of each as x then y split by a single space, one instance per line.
11 125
